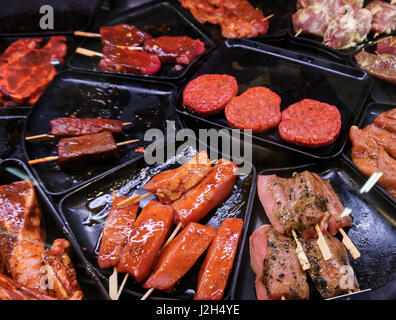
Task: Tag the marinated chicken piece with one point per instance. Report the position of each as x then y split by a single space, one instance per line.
382 66
383 137
349 29
123 35
13 290
335 276
274 261
387 45
21 239
384 16
371 157
62 278
312 20
387 120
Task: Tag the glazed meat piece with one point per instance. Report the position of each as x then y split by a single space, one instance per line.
207 195
335 276
238 19
21 239
371 157
170 185
71 127
145 240
23 79
122 35
387 120
382 66
384 16
349 29
182 50
383 137
116 230
179 255
18 49
218 263
13 290
387 45
277 271
61 273
123 59
87 150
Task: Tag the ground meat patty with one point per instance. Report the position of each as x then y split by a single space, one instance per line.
257 109
210 93
310 123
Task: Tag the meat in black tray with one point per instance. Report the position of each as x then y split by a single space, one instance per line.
146 104
294 77
86 209
159 19
14 170
372 231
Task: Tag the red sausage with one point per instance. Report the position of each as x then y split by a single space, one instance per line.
211 191
178 256
115 233
216 269
145 240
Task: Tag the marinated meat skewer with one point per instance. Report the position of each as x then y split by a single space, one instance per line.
276 267
335 276
83 150
386 45
384 16
170 185
72 127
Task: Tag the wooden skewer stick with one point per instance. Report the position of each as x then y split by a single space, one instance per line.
45 136
134 199
283 298
87 34
324 248
88 53
300 253
52 158
371 182
349 244
268 17
298 32
113 284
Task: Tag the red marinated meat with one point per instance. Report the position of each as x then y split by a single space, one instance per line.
123 59
23 79
387 120
170 185
182 50
87 150
384 16
387 45
179 255
382 66
218 263
335 276
311 20
383 137
116 230
18 49
13 290
207 195
61 273
310 123
123 35
277 270
210 93
145 240
257 109
70 127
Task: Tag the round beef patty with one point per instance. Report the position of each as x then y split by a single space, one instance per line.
258 109
210 93
310 123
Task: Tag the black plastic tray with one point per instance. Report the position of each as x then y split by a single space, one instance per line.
292 75
371 111
381 90
158 19
146 104
71 47
22 17
372 231
85 210
14 170
317 41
